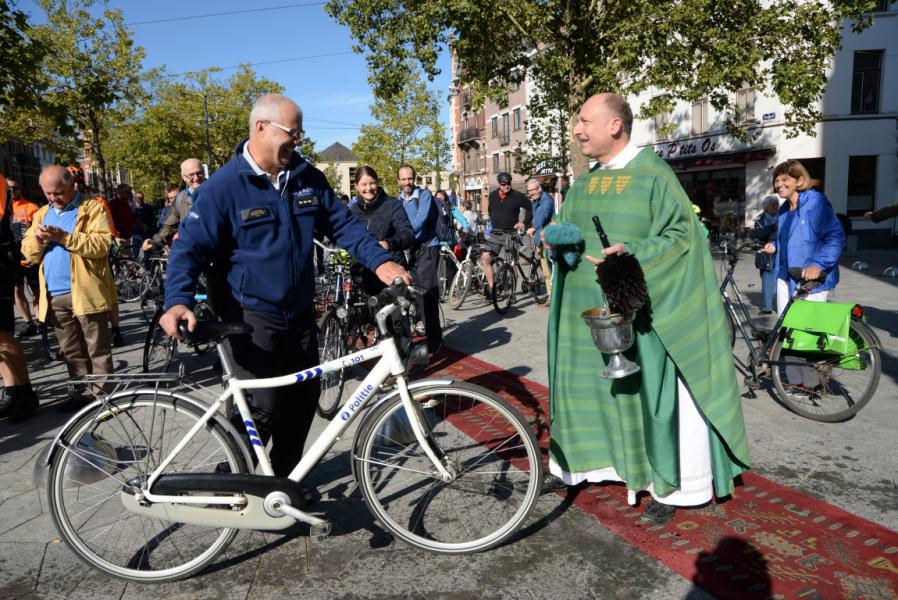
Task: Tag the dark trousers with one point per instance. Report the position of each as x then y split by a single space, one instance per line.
278 347
425 261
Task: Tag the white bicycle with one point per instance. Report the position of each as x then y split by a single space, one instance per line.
151 484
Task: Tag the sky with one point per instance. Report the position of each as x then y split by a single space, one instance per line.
333 91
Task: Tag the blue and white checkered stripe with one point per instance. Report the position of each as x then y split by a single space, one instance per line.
253 436
309 374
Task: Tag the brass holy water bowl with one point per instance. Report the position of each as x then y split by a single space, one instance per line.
612 333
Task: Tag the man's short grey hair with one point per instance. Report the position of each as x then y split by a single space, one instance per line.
268 108
533 181
189 160
619 107
60 174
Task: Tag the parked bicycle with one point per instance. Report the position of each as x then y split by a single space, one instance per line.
469 276
822 358
160 349
127 275
446 269
346 323
150 484
533 281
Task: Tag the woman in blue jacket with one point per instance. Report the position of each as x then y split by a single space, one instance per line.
809 235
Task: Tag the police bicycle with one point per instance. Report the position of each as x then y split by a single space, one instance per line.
149 484
822 358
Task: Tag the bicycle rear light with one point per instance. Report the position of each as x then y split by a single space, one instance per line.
857 311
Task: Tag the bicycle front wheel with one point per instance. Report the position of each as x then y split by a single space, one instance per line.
128 276
503 287
825 386
443 277
159 348
115 448
331 345
484 441
461 284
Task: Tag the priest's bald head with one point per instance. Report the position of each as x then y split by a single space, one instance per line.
603 126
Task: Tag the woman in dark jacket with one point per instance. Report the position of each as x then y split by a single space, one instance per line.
386 221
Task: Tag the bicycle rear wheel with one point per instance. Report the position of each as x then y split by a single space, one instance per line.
538 283
504 281
483 439
824 386
331 345
461 284
109 450
158 348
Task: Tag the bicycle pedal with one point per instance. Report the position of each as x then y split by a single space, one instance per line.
320 531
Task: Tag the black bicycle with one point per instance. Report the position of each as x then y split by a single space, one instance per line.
533 281
818 373
159 349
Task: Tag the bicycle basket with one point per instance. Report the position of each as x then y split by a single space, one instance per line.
821 327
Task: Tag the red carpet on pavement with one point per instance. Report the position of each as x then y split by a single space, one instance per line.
766 541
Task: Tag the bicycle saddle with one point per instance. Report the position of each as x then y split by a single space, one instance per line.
213 332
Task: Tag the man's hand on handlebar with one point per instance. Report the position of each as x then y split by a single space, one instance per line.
149 244
173 316
388 272
812 273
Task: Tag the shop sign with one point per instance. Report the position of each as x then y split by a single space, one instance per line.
768 117
686 148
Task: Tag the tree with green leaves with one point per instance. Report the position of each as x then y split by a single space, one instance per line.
20 61
334 177
407 130
574 48
92 72
179 114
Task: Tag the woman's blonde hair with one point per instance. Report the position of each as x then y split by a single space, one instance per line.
795 169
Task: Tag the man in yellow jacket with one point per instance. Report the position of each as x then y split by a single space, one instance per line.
70 239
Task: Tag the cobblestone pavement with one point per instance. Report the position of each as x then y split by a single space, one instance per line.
562 552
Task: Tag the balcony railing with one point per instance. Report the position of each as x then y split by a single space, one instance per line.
469 134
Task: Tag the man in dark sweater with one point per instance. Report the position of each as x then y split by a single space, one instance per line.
504 206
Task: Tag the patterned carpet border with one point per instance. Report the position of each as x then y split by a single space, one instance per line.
766 541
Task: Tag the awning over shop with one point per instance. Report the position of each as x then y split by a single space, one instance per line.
725 158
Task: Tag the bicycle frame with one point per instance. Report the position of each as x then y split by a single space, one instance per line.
390 363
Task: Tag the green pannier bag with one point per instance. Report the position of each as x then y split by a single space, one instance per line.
822 327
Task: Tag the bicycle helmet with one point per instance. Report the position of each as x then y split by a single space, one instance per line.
503 177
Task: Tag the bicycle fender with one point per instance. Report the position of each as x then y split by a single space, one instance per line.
50 451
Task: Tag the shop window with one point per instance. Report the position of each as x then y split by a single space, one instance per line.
745 106
700 116
865 82
861 185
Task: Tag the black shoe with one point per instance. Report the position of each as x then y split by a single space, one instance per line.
658 513
76 401
5 404
23 403
30 330
765 312
487 292
553 483
117 340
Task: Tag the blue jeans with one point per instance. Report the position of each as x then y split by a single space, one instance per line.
768 289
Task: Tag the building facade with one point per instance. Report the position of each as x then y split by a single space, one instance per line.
22 163
851 157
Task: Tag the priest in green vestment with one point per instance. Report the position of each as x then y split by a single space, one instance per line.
674 429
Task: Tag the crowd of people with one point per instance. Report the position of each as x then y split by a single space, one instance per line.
675 431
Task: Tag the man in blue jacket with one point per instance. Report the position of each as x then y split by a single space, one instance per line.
422 213
543 211
254 220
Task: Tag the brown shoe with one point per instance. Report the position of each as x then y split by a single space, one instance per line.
543 304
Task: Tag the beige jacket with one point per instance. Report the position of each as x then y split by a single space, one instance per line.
93 288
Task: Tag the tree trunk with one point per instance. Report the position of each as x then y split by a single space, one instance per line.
97 150
579 162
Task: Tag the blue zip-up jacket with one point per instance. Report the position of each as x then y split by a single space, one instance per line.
422 214
543 211
809 235
261 238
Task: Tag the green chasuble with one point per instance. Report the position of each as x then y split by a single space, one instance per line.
631 424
